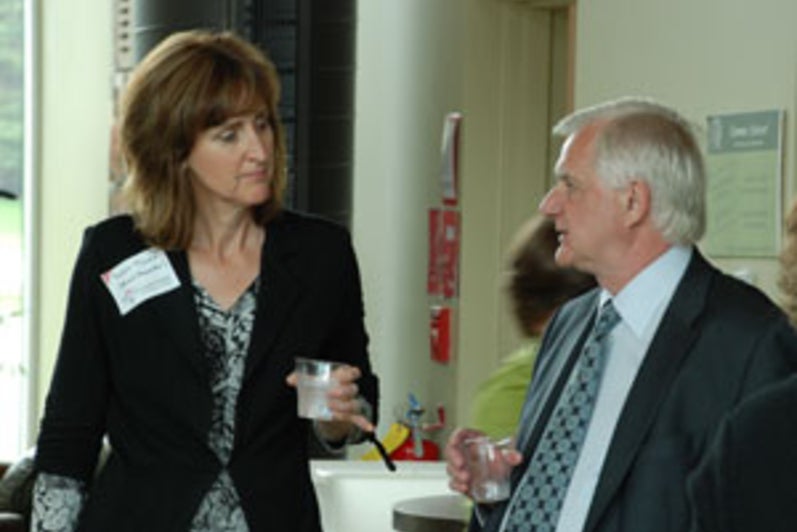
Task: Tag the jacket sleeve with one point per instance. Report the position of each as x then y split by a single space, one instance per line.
349 339
74 418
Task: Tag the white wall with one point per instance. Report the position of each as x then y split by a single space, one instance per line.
409 69
75 115
702 57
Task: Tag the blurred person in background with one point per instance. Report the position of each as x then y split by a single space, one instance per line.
536 287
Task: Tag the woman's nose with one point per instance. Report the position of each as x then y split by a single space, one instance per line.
257 146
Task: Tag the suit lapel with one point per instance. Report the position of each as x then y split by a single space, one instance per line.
279 292
669 347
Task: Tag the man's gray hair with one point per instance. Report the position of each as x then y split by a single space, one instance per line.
640 139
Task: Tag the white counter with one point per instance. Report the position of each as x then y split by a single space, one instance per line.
358 496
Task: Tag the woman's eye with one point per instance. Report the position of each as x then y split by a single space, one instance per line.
227 135
262 123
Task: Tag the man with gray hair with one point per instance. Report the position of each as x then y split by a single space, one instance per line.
633 377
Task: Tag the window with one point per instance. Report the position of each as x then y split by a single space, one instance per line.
13 359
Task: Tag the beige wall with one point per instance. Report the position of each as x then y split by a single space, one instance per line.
701 56
508 85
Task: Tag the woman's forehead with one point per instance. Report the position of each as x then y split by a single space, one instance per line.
225 109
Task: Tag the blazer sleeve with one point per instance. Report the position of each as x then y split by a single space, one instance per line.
349 340
74 418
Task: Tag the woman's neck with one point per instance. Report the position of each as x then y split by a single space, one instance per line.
225 235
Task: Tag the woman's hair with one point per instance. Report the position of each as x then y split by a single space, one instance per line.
788 267
537 285
189 82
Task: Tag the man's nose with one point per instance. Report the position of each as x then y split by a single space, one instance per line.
549 205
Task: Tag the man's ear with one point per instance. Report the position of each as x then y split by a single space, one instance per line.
637 201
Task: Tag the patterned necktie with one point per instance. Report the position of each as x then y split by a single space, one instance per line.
541 491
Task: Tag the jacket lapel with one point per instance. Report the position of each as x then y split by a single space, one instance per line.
279 292
178 311
669 347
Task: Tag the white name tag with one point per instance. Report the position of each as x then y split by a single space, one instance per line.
141 277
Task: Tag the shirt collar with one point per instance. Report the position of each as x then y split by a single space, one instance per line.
642 300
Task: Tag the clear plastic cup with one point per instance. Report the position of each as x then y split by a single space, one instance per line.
489 469
314 380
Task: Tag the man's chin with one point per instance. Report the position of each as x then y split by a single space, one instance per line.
563 258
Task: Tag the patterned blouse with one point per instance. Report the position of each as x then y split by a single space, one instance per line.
225 334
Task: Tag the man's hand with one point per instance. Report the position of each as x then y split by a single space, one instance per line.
459 474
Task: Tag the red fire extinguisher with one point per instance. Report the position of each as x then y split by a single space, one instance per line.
415 446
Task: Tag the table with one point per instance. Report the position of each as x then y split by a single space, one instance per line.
11 522
438 513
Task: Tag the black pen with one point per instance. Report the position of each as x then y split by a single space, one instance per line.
370 436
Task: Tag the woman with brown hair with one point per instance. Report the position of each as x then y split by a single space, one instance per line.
185 316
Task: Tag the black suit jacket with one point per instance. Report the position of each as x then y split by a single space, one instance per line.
142 379
718 341
748 481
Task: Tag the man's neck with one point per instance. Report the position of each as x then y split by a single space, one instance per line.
633 263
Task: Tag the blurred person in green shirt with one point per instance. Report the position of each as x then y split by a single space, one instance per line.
536 287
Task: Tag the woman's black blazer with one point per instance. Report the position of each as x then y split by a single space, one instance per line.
142 380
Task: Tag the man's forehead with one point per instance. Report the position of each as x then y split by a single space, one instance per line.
578 148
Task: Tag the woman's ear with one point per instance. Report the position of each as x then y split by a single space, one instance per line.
185 168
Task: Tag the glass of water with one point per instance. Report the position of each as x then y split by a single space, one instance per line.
314 379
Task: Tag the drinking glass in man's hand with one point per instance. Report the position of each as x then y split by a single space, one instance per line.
488 467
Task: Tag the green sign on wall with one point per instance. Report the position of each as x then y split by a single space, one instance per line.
744 192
